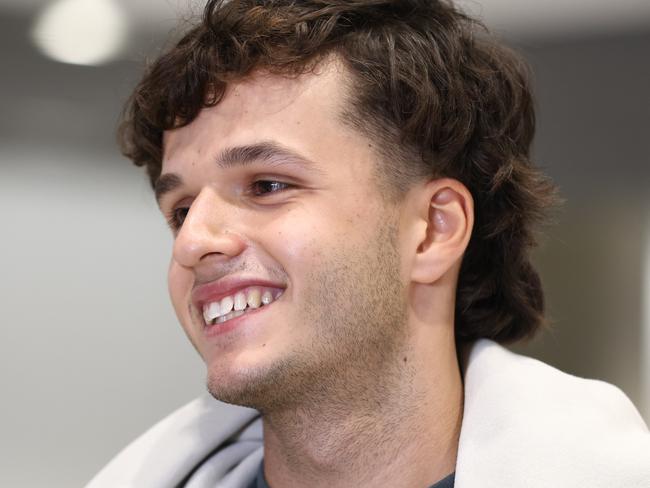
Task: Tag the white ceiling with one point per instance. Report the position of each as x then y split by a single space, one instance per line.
519 18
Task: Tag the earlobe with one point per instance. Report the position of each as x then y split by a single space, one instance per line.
447 207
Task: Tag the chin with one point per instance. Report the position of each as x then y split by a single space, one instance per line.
262 387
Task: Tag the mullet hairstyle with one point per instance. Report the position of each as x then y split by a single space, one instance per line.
431 89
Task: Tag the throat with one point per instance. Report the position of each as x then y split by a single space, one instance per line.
336 444
330 446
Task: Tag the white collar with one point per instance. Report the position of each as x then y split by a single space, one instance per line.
525 425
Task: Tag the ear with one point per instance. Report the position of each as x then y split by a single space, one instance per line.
445 217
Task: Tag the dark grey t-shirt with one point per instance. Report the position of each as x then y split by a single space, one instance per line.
260 481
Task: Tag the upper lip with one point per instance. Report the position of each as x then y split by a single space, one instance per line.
229 285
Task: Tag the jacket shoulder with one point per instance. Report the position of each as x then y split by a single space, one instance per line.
524 418
169 450
548 391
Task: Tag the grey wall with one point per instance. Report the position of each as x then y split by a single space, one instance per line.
91 354
594 114
90 351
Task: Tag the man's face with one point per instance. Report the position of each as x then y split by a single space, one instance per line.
293 216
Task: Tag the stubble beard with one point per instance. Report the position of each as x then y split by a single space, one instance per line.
356 310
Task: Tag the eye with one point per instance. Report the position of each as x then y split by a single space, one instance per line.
264 187
176 217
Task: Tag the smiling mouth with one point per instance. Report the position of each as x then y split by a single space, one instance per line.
238 304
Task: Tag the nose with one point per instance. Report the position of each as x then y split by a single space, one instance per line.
206 232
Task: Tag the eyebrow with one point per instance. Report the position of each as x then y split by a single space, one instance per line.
268 152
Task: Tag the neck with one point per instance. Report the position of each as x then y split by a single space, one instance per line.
361 432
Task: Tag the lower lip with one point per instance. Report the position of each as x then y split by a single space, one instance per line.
229 325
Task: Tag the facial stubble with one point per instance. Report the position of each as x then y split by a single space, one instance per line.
355 308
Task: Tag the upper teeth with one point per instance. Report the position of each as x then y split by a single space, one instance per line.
252 297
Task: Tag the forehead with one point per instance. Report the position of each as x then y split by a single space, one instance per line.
302 113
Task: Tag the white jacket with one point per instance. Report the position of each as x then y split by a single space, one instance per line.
525 425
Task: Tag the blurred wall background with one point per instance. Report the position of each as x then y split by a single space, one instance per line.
90 351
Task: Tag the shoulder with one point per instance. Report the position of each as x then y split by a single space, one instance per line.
525 418
169 450
546 390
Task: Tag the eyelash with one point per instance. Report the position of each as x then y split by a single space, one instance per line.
270 182
175 221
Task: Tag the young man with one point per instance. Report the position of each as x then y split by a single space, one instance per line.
353 206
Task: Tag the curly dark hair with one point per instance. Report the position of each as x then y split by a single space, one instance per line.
434 91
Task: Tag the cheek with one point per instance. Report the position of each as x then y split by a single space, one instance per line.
298 241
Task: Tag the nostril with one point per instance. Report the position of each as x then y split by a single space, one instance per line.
215 255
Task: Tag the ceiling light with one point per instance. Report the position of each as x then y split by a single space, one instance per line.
86 32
